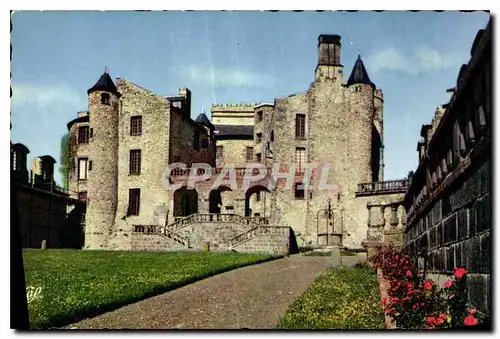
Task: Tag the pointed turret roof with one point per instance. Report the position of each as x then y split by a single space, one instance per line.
202 119
105 83
359 74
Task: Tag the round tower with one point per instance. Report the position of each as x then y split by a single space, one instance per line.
361 91
378 120
102 163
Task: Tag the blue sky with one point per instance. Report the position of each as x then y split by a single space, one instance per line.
230 57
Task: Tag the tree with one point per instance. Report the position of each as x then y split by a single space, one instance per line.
410 174
64 159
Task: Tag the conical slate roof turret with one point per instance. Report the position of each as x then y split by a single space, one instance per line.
105 83
202 119
359 74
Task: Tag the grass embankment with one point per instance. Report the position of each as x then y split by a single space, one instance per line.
342 298
78 284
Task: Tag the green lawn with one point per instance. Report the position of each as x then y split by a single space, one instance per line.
77 284
342 298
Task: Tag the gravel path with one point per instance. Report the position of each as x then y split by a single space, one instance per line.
252 297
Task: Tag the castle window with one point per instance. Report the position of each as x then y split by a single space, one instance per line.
257 196
83 135
259 138
300 157
299 191
219 153
82 168
134 198
259 115
135 161
90 165
82 196
105 98
249 154
300 126
258 157
136 125
91 133
196 140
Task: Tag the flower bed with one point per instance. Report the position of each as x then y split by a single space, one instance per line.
415 303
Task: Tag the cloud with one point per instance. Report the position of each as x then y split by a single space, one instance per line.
43 95
225 77
422 59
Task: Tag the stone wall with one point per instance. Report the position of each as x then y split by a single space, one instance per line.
154 242
234 151
275 244
154 145
233 114
43 216
217 234
449 201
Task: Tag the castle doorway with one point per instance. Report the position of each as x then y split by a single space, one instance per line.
220 200
257 202
185 202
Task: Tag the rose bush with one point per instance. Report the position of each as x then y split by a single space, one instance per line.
416 303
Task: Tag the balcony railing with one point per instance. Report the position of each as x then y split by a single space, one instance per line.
392 186
240 171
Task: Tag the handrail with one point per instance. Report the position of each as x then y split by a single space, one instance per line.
400 185
216 217
240 171
162 230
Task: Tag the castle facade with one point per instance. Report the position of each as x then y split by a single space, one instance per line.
121 147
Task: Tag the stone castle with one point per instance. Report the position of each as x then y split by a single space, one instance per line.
121 147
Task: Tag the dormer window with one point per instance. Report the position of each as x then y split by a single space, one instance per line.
105 98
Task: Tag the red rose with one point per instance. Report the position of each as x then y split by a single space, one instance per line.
431 320
470 320
459 272
388 310
409 285
472 311
414 306
427 284
408 274
448 283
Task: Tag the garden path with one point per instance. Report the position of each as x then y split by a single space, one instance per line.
252 297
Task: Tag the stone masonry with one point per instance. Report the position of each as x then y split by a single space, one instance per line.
449 202
134 135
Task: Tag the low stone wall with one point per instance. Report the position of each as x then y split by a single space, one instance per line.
217 234
154 242
276 243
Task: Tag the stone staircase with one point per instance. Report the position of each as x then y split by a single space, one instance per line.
231 232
